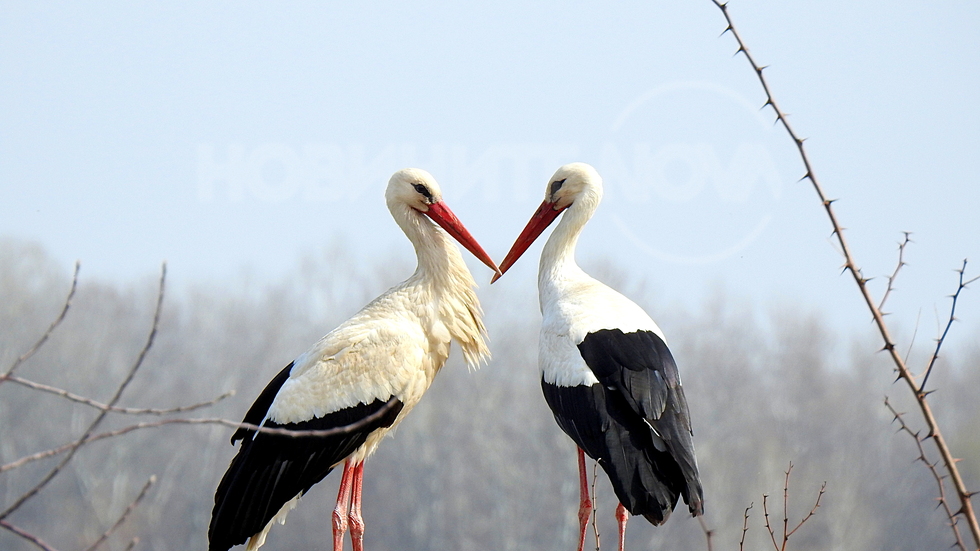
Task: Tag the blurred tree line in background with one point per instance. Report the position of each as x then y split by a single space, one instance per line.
480 463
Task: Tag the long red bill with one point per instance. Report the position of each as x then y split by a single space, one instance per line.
543 217
440 214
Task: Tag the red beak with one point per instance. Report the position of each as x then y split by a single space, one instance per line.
543 217
440 214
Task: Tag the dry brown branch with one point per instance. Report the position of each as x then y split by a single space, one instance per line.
966 507
115 409
88 431
41 544
125 514
786 531
745 527
708 533
203 421
898 267
952 317
939 478
132 544
595 504
47 334
765 512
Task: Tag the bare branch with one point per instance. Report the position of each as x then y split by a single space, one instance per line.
122 518
115 409
786 505
41 544
943 502
898 267
122 387
813 510
47 334
595 504
206 421
786 531
850 265
745 527
952 317
708 533
765 513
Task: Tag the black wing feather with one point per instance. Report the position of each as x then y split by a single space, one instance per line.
271 469
649 421
261 406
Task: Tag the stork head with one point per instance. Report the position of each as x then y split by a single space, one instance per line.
418 190
571 184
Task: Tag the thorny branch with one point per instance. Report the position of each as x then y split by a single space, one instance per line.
952 317
966 508
898 267
943 502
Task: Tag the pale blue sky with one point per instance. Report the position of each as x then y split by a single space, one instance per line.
122 123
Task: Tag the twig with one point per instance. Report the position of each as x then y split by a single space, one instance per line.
765 512
891 278
595 504
132 544
708 533
952 317
966 508
813 511
27 536
122 518
115 409
745 527
786 531
205 421
88 431
54 325
915 332
943 502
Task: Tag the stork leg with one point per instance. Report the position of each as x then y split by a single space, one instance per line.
342 509
622 515
585 502
356 521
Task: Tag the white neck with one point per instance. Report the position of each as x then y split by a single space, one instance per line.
558 256
439 259
445 283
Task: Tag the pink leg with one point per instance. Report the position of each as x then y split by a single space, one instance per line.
356 522
622 515
342 509
585 503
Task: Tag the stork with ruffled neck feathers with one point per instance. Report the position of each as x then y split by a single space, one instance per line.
374 367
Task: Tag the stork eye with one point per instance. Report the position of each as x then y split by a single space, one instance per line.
556 185
423 190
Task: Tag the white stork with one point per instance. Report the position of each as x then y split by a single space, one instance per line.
384 357
606 371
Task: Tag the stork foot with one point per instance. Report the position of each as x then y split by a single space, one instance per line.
356 521
342 510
